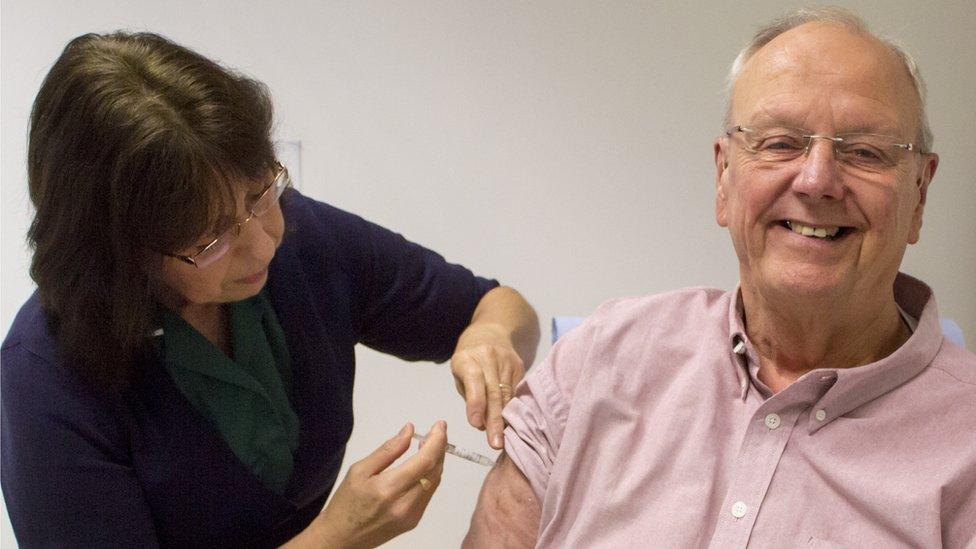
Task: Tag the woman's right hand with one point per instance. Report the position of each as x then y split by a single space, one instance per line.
375 503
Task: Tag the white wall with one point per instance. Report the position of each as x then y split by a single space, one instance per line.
564 148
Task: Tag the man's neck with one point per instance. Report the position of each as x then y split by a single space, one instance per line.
793 338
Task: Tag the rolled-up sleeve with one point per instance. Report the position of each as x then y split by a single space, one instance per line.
538 413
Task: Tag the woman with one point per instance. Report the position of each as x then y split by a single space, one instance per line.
183 374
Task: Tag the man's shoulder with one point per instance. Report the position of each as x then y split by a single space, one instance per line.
694 304
957 365
942 396
933 407
674 318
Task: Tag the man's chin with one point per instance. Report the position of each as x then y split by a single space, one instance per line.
809 282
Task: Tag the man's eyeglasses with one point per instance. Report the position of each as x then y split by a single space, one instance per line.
210 253
862 151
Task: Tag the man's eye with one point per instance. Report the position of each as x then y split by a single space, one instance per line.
866 153
780 144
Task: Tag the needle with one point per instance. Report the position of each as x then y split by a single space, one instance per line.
464 454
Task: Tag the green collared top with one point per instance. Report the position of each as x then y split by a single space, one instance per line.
246 397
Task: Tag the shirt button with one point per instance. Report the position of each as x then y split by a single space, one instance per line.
821 415
738 345
772 421
739 509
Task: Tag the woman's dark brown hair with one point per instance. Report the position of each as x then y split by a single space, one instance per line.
137 146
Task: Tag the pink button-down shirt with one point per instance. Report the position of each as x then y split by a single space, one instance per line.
647 427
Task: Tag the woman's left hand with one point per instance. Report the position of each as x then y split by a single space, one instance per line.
486 370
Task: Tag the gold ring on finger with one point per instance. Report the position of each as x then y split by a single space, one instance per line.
424 483
504 386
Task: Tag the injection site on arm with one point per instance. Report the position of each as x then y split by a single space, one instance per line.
508 511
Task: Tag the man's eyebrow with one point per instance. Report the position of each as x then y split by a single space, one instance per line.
764 118
879 127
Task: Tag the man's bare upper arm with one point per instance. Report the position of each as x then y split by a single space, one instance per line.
508 512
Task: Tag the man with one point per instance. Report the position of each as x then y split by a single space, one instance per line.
818 405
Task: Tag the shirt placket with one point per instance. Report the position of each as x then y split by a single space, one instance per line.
770 428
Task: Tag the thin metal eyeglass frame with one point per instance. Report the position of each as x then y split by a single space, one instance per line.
286 182
835 139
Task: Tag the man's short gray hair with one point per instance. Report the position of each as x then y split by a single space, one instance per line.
854 23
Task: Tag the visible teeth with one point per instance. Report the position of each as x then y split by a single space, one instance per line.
819 232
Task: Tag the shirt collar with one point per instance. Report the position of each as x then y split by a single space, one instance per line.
855 386
740 348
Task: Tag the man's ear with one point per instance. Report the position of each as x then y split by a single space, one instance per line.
930 163
721 178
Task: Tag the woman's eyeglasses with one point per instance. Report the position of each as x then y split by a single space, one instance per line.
210 253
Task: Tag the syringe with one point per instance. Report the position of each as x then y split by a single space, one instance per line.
464 454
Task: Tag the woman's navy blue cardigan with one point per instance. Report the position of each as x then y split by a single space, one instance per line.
84 468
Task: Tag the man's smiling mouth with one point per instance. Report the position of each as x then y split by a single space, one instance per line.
825 232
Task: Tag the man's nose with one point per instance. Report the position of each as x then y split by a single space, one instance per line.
819 176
